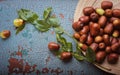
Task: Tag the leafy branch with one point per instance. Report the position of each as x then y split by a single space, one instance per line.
48 22
42 25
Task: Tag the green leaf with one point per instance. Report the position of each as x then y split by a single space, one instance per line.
27 15
59 30
47 13
78 57
32 18
69 47
41 25
40 28
57 53
61 39
54 22
65 46
78 49
44 23
20 29
90 55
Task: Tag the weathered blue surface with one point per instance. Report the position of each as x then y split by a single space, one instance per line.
33 44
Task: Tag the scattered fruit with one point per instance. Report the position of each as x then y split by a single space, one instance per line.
66 56
18 22
53 46
5 34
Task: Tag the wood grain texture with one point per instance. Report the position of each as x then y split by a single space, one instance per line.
115 69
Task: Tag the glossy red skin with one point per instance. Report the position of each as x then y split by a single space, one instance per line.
100 56
108 28
94 29
77 26
94 46
108 49
101 31
102 21
88 10
115 47
94 17
106 5
112 58
113 40
53 46
84 19
66 56
116 13
89 39
85 30
108 12
76 36
106 39
83 38
6 33
84 47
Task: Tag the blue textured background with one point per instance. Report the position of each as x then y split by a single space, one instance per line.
34 43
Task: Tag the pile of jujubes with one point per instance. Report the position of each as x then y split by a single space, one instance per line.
99 28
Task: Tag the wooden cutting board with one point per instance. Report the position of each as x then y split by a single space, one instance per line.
115 69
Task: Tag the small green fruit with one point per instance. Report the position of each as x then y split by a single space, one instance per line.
18 22
100 11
